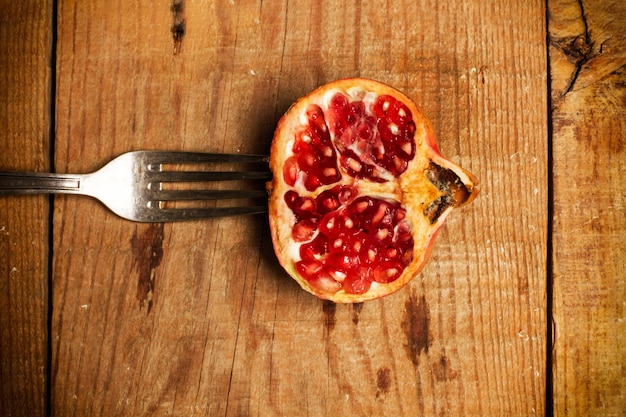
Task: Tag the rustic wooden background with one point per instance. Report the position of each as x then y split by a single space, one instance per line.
520 311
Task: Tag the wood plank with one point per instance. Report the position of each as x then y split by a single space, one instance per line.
25 30
588 72
198 318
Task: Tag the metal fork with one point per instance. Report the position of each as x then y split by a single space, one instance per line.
132 185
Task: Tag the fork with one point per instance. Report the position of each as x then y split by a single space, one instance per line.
132 185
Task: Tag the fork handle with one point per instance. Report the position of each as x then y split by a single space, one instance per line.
38 183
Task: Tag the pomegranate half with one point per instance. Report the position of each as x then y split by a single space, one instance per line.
359 190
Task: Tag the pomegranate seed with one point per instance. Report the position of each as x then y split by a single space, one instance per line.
290 198
308 268
341 261
385 106
290 170
357 284
407 148
303 230
387 272
325 284
328 224
307 160
382 234
327 203
399 165
312 182
314 249
345 194
307 204
379 214
330 172
339 101
366 132
362 205
353 164
339 276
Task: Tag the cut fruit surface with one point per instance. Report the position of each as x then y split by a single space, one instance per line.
359 190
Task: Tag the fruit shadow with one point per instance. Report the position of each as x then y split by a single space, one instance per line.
267 120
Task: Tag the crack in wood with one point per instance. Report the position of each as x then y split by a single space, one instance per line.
578 49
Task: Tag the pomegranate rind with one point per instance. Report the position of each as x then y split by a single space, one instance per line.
414 191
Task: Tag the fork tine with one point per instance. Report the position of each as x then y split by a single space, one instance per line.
165 157
203 213
155 174
183 176
172 195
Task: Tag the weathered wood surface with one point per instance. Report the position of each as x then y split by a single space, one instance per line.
198 318
25 33
588 72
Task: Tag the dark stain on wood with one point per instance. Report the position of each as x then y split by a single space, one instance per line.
147 250
443 371
179 24
329 308
415 325
523 285
383 381
356 312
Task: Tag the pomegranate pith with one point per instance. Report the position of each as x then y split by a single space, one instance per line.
359 190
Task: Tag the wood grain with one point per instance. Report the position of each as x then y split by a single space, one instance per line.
588 73
198 318
25 50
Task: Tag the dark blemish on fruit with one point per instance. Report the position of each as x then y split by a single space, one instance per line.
455 193
179 24
147 250
329 308
383 381
415 325
356 312
443 371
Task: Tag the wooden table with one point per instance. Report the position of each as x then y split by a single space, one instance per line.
521 310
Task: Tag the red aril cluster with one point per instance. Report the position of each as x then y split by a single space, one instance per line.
348 242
